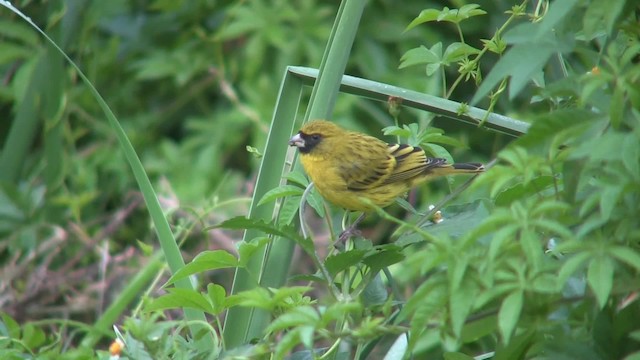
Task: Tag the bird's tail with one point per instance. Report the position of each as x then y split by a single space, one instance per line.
444 169
468 167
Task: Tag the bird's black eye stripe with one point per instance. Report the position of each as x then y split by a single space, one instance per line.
311 138
310 141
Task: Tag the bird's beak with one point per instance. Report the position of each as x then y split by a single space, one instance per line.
296 140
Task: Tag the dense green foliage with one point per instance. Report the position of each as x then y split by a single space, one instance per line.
538 258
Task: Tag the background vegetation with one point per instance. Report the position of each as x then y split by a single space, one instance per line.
539 258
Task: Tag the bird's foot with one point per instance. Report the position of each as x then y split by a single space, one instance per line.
346 235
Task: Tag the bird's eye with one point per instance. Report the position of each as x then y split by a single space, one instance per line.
315 137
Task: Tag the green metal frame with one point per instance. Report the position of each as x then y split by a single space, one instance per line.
414 99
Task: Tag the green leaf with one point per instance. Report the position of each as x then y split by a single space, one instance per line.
510 314
457 51
268 299
307 335
532 248
609 197
633 356
246 249
456 269
600 278
535 44
178 298
375 293
438 151
316 201
626 255
515 155
520 190
549 226
337 311
301 315
33 336
14 30
288 210
631 154
432 67
458 220
456 356
205 261
279 192
545 284
571 176
601 15
11 52
341 261
468 11
241 222
518 347
297 177
592 223
503 238
431 137
217 298
616 109
10 328
449 15
495 45
383 256
430 298
425 16
421 55
403 132
520 63
477 329
608 146
549 206
287 342
496 292
317 277
558 12
460 305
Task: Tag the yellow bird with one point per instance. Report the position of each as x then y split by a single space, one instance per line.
346 166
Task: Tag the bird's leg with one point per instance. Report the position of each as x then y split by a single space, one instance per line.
407 206
349 232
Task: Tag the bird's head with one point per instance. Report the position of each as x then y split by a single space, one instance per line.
315 135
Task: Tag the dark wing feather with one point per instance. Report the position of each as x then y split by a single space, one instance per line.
411 162
376 163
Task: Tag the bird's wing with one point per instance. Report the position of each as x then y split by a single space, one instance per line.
368 164
410 162
385 164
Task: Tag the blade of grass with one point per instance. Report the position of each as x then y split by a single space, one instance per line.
242 323
25 124
269 266
334 60
165 236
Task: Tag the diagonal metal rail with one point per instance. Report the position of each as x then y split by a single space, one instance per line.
448 108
